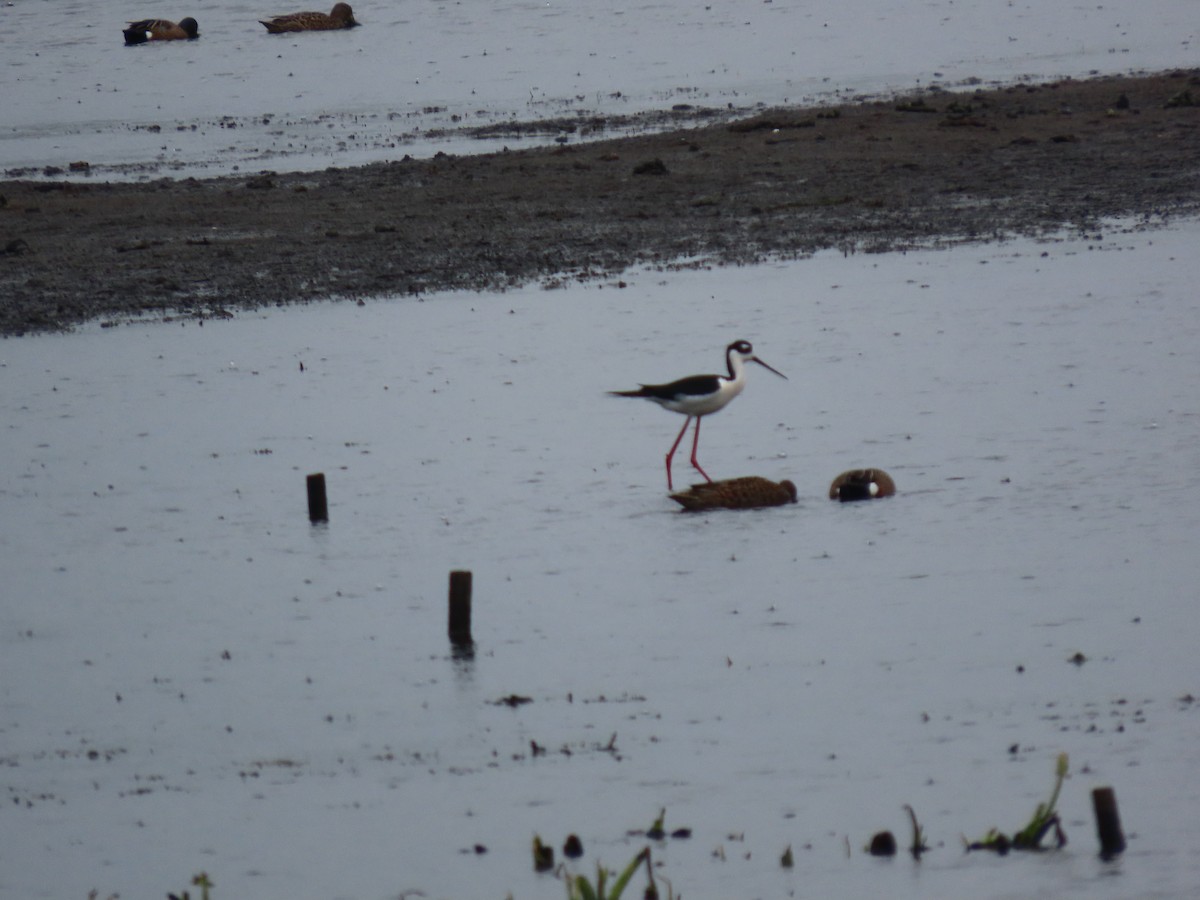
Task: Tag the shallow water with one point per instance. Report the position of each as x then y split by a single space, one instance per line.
192 677
415 74
195 678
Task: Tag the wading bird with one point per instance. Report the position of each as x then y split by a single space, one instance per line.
698 396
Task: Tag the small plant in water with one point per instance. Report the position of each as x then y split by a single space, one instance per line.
1044 818
918 842
658 831
579 888
201 881
543 855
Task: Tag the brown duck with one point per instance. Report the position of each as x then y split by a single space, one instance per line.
751 492
862 484
161 30
341 16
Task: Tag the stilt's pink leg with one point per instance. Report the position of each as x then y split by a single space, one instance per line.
696 443
674 446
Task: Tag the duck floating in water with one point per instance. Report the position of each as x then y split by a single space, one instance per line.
862 484
341 16
750 492
161 30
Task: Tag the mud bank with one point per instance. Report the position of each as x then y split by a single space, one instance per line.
875 175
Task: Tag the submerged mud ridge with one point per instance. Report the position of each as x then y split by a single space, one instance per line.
867 176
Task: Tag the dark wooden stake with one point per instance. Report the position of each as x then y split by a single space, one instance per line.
460 607
318 506
1108 822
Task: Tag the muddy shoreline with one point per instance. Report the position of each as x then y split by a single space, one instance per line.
871 176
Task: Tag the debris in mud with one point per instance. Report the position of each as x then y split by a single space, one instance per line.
915 106
512 701
778 123
572 847
658 832
651 167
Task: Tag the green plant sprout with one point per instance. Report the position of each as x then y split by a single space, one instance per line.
657 831
1044 818
579 888
201 881
543 855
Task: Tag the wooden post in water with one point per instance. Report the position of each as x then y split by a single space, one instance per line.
318 506
1108 822
460 608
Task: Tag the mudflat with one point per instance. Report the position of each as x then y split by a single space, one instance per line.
695 189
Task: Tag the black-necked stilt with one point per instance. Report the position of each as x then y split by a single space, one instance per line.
698 396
